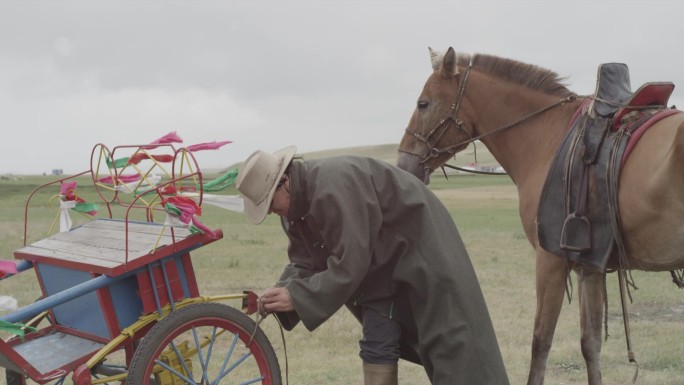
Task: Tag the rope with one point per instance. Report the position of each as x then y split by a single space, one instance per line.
605 307
625 317
473 171
259 319
613 187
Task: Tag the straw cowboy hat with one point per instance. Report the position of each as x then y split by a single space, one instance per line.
258 179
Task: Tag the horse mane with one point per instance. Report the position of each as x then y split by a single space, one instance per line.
529 75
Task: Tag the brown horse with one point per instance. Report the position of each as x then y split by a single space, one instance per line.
521 113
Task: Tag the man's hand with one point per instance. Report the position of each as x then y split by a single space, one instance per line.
275 299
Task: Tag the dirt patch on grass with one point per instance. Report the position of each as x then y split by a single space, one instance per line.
654 312
658 312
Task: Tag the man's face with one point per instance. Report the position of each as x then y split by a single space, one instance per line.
280 204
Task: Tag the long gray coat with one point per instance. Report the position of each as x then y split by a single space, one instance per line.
365 233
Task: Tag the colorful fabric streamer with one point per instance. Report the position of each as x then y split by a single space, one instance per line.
67 192
171 137
185 210
68 199
224 181
86 208
187 207
207 146
139 156
121 162
167 190
129 178
17 329
227 202
7 268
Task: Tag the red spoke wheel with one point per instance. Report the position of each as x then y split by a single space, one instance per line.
205 344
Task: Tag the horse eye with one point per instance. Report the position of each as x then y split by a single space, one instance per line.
422 104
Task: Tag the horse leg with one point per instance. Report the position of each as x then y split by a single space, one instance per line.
551 274
591 301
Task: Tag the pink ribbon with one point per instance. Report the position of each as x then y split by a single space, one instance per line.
121 178
207 146
171 137
139 156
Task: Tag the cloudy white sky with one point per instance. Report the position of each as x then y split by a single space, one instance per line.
265 74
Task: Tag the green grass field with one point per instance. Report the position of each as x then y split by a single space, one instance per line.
485 211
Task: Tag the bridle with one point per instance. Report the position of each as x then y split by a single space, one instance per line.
432 150
443 126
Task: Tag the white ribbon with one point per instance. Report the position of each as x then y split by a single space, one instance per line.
64 218
228 202
151 181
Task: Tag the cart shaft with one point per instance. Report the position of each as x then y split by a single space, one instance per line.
61 297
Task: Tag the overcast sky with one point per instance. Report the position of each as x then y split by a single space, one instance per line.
266 74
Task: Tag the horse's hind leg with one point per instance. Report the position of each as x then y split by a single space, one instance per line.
551 274
591 301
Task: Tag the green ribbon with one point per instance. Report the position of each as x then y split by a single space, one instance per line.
17 329
173 210
224 181
117 163
85 207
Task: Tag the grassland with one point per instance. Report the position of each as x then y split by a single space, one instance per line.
485 210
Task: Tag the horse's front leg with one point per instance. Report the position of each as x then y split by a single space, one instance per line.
591 301
551 274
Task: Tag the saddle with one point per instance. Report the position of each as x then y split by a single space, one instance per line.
577 217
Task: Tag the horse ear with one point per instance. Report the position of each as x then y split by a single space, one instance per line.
434 59
449 66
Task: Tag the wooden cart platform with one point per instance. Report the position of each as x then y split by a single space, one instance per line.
112 247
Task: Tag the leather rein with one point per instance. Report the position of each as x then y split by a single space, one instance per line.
443 126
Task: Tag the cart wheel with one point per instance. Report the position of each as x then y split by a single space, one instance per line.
14 378
205 343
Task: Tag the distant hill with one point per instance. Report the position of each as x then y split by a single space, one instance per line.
388 153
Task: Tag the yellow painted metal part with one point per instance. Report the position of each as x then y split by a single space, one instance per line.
170 358
144 321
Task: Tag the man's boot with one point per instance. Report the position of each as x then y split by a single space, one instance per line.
380 374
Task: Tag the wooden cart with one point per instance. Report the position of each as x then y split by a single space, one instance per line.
120 301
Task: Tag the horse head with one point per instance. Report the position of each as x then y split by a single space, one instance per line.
437 129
